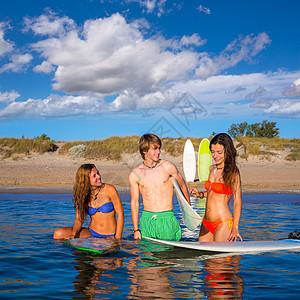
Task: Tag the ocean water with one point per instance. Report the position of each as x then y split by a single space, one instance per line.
33 266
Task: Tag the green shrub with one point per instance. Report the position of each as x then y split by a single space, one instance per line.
293 156
77 151
64 149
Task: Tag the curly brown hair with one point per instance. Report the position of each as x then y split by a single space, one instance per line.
230 167
81 189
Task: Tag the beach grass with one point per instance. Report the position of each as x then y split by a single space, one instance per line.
114 147
267 147
294 155
11 146
110 149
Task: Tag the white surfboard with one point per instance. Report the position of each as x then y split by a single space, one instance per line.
233 247
190 217
189 161
204 160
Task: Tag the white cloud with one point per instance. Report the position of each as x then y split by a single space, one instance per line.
113 55
130 101
54 106
110 55
284 108
5 46
293 90
224 88
218 95
194 39
206 10
44 67
243 48
262 103
156 7
248 94
259 92
49 24
19 61
61 106
152 6
8 96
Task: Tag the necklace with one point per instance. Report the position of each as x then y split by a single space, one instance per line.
95 196
150 167
217 169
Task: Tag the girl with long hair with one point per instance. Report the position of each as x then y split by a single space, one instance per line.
224 182
100 201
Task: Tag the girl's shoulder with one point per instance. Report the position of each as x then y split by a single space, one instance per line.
212 167
109 189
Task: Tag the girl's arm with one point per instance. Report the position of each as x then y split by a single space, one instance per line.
237 209
115 198
201 194
77 225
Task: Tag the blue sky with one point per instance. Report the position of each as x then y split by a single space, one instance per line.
87 69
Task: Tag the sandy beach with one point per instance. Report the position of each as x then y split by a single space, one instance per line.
52 173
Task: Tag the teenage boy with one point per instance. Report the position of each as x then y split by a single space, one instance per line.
152 179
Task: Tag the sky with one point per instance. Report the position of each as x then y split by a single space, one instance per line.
92 69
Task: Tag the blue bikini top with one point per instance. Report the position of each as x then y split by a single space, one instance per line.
104 208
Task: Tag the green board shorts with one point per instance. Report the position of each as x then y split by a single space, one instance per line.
160 225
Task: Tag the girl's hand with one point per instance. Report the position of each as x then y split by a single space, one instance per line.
137 235
194 192
72 236
234 235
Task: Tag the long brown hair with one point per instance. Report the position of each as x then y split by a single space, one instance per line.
81 189
230 167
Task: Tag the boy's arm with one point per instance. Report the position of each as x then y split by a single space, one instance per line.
134 191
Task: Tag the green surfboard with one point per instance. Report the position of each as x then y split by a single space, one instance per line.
99 246
204 160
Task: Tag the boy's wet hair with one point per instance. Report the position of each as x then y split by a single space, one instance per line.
146 141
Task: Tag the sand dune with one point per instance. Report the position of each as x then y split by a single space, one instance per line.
51 173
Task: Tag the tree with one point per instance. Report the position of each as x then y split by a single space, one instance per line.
233 131
264 129
269 129
243 128
236 130
43 137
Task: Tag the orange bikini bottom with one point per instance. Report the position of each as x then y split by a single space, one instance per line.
212 226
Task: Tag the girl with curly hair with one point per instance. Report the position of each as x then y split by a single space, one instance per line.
100 201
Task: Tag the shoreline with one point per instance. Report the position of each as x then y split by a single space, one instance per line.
68 189
50 173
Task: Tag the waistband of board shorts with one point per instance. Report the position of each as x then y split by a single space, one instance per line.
167 213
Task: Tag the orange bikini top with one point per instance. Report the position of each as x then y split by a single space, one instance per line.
218 187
